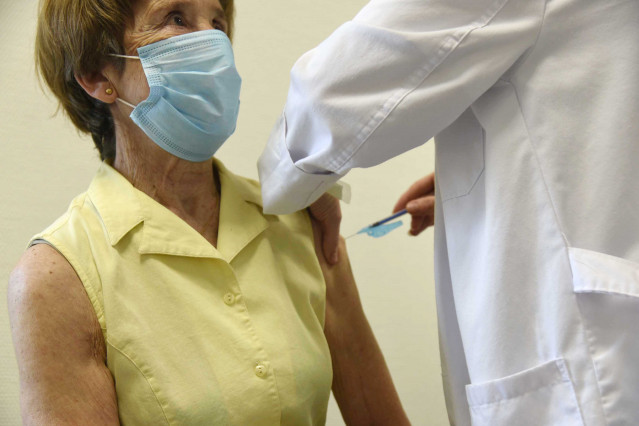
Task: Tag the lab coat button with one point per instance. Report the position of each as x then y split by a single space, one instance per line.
229 299
260 370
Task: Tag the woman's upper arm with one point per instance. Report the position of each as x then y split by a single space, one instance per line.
59 345
362 385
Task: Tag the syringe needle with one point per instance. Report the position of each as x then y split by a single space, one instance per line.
379 222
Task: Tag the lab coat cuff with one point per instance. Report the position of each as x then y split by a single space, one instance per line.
285 187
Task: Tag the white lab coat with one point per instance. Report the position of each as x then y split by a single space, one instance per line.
534 105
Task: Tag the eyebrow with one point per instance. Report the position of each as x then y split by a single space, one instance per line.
159 6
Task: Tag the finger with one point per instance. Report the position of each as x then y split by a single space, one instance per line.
318 241
420 224
430 222
326 210
424 206
416 225
330 230
424 186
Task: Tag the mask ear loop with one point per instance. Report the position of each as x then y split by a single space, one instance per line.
125 57
125 102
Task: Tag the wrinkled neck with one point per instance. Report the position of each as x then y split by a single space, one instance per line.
188 189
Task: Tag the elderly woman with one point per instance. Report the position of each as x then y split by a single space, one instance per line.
164 295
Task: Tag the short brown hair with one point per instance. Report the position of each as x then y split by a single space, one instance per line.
75 37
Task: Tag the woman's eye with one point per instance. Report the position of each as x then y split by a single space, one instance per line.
219 25
177 19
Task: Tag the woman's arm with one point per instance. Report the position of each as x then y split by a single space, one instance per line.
59 345
362 384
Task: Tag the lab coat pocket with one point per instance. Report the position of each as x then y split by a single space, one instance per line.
541 396
607 290
460 156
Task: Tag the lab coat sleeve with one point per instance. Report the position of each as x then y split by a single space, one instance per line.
386 82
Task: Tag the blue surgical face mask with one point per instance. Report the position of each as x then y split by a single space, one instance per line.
195 89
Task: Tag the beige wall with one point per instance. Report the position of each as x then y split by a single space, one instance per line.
44 163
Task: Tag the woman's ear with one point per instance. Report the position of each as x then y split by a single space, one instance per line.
97 86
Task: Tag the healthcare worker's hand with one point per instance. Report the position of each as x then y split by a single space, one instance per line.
327 212
419 201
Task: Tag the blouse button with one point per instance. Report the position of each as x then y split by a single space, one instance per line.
229 299
260 370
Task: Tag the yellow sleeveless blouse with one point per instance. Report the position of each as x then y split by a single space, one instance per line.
198 335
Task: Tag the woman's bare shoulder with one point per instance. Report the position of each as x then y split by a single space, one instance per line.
45 295
44 279
59 345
